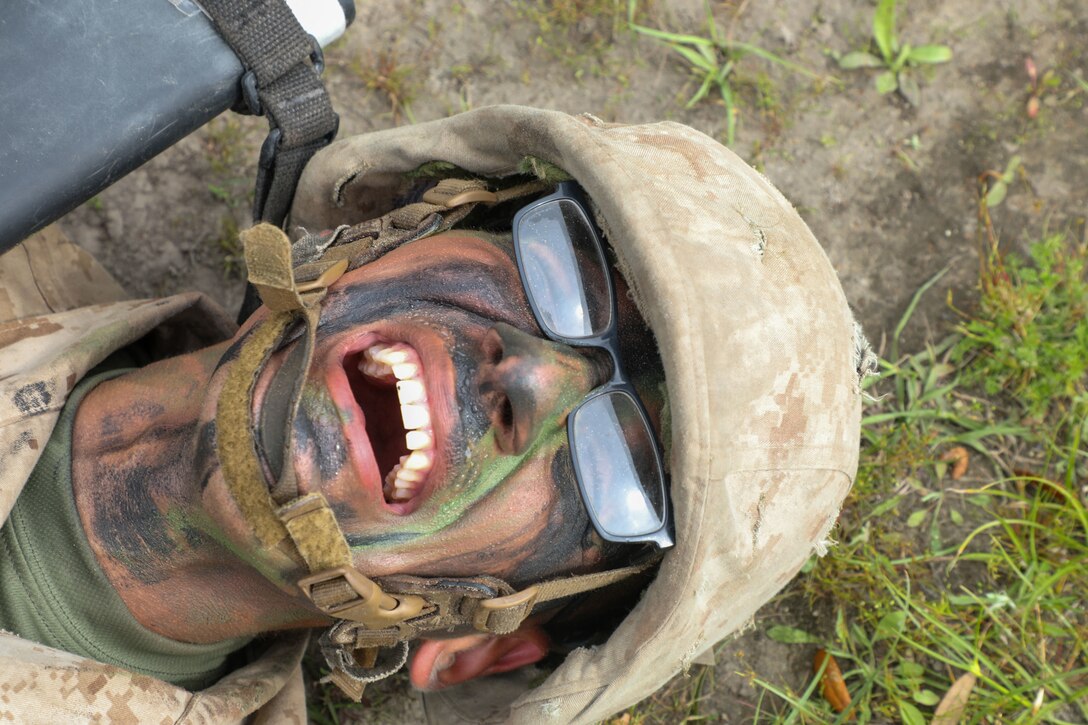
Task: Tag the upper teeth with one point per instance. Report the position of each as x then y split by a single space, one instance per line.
401 362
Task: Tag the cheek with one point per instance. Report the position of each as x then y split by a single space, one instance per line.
509 526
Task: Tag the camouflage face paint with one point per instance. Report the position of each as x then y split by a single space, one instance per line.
486 507
496 493
498 497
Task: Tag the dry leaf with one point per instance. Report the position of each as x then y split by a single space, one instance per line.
832 686
958 457
1049 490
951 708
624 719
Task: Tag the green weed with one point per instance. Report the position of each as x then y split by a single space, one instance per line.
1029 341
999 183
229 247
383 72
713 61
894 57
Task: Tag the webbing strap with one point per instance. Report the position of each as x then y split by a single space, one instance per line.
283 64
503 615
334 585
268 259
234 438
569 586
442 208
318 538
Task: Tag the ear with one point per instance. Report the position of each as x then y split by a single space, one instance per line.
440 663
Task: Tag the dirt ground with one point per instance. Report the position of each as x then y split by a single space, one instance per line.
891 189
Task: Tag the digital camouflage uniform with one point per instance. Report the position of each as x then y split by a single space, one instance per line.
60 315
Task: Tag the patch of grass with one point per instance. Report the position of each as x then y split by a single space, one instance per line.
383 72
229 145
713 60
956 585
224 144
578 33
982 581
229 247
894 57
1029 341
682 700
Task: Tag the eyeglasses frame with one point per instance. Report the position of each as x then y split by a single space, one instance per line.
608 339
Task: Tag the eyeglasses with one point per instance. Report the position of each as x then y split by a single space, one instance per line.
617 458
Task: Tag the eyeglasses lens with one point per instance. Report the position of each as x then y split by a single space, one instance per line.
623 485
564 270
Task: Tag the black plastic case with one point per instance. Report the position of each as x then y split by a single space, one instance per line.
91 89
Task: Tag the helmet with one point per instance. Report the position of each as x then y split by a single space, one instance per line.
759 348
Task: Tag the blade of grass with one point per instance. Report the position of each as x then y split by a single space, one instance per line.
884 29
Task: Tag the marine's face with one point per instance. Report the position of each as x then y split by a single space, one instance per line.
433 418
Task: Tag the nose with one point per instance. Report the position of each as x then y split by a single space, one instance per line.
529 385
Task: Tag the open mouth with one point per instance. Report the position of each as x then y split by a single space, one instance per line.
387 382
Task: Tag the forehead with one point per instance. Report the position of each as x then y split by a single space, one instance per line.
473 271
476 271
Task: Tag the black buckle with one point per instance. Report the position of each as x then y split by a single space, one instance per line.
250 98
317 56
251 101
266 162
271 144
269 148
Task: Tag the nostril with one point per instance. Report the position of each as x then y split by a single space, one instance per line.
503 421
506 413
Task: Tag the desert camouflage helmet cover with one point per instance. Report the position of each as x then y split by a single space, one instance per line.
757 342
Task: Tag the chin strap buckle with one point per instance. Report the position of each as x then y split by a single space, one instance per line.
503 615
344 593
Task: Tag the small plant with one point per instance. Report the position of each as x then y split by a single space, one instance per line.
578 33
999 183
713 61
383 73
894 57
1030 338
229 247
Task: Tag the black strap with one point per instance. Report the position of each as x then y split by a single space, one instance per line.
283 81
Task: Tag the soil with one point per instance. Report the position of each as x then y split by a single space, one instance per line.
890 188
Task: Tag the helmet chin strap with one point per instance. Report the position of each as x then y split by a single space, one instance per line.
292 282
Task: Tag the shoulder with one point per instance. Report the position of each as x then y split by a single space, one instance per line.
47 273
48 685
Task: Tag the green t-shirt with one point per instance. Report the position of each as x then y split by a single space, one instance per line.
52 590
